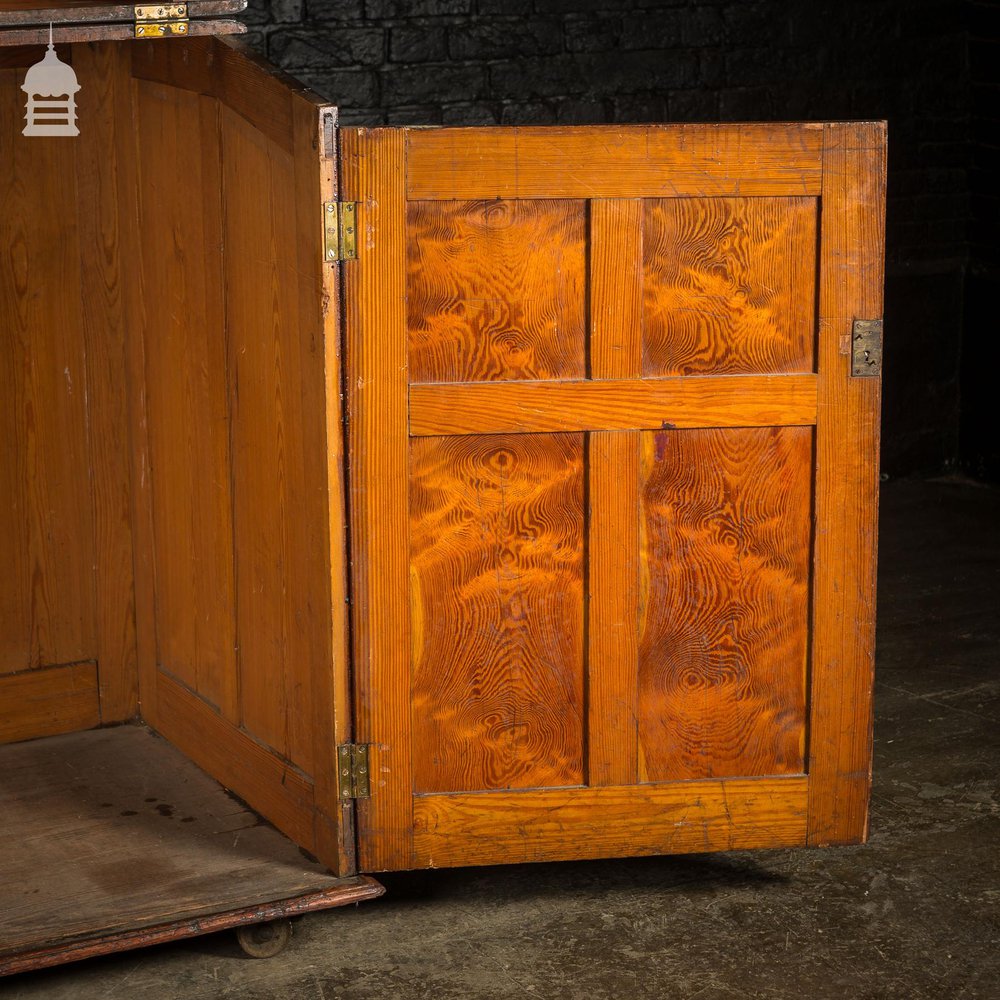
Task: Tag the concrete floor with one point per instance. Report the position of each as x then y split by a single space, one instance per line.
913 914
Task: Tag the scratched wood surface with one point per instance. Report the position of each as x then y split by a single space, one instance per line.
724 570
496 549
495 290
115 830
728 285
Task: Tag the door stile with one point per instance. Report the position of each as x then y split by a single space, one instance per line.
613 523
847 446
373 174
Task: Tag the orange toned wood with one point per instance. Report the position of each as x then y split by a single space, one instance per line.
375 294
495 290
631 161
616 289
273 786
612 404
279 514
851 271
225 69
323 434
728 285
183 319
66 33
45 702
106 105
47 585
496 549
613 580
725 539
629 821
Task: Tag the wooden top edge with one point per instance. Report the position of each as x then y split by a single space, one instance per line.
32 12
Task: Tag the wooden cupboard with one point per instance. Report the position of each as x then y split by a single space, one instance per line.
553 507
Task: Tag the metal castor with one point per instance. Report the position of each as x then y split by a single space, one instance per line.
264 940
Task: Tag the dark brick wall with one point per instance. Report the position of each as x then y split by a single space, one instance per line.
980 449
604 61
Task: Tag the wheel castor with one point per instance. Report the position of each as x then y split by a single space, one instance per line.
264 940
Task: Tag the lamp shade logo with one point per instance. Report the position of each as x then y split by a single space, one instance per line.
51 86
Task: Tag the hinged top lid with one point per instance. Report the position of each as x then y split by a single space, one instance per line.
25 22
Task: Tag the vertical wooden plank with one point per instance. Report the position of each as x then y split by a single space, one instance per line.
185 376
323 434
613 517
851 272
143 538
275 518
616 288
104 146
613 580
373 171
47 612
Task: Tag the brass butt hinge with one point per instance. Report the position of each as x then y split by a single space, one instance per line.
160 20
352 766
866 348
340 231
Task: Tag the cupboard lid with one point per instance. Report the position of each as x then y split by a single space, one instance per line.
26 22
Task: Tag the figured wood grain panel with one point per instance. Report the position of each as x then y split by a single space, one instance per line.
613 610
847 443
182 317
372 162
624 821
612 404
52 700
496 540
279 517
616 288
495 290
106 103
631 161
725 541
47 584
728 285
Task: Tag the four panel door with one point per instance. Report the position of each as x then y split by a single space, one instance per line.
613 488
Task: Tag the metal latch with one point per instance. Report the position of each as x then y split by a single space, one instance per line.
159 20
340 230
866 348
352 766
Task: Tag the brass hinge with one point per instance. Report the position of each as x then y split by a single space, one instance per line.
340 231
866 348
159 20
352 765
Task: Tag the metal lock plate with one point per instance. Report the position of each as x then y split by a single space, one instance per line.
866 348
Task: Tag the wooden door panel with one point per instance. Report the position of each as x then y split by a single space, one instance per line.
724 575
497 538
483 304
605 646
728 285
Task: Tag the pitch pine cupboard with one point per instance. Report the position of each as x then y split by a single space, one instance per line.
541 527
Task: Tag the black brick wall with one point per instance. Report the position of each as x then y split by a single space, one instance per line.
607 61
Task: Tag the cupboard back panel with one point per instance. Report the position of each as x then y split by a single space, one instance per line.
67 633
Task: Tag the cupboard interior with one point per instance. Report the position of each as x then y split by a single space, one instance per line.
170 419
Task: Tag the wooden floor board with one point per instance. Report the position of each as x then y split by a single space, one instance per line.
113 830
